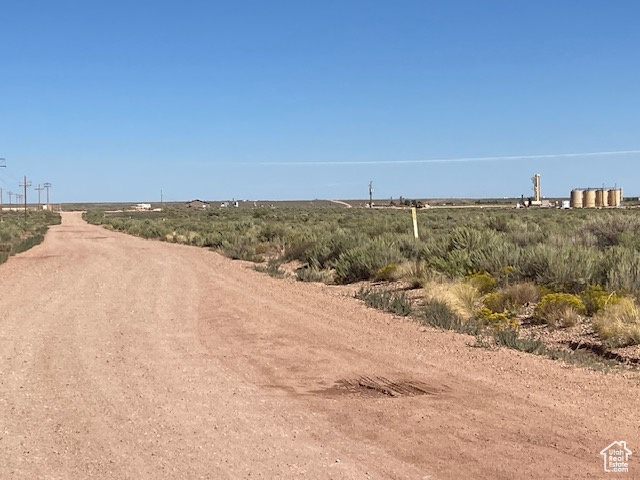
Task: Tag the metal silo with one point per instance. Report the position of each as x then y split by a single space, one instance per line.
600 198
576 198
615 197
589 199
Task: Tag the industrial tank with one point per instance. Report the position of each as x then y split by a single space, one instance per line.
589 199
576 198
602 198
615 197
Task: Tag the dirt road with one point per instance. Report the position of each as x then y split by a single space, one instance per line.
122 358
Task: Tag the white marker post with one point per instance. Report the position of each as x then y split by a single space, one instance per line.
414 214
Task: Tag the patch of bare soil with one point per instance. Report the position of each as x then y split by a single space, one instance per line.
122 358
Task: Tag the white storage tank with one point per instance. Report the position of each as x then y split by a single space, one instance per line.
576 198
589 199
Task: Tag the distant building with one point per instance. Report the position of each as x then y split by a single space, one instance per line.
142 206
197 204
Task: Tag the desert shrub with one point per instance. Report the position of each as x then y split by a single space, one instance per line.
440 314
388 273
495 256
611 229
567 268
314 274
596 297
512 299
553 308
28 243
622 270
619 324
510 338
298 251
239 251
563 317
483 282
467 297
500 321
461 298
418 274
393 302
272 268
521 294
363 262
496 302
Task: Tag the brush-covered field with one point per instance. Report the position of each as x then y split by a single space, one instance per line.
570 278
18 234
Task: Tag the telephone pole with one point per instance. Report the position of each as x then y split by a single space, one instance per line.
10 197
39 189
161 201
47 185
370 194
25 184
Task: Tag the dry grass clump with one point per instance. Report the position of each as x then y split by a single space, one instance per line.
418 274
618 324
461 298
562 317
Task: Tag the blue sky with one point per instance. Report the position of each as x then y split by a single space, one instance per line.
113 101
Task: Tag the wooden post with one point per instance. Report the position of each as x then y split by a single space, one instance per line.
414 214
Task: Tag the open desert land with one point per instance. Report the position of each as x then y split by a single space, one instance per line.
131 358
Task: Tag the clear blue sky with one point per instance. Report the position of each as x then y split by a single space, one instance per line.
115 100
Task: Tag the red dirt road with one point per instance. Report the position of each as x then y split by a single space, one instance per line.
122 358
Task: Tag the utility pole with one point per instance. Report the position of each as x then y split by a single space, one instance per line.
25 184
370 194
2 160
47 185
39 189
161 201
10 197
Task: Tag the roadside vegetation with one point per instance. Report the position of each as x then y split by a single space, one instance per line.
18 235
565 277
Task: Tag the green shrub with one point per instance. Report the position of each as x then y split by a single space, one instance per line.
388 273
314 274
392 302
272 269
595 298
363 262
512 299
499 321
439 314
483 281
559 309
